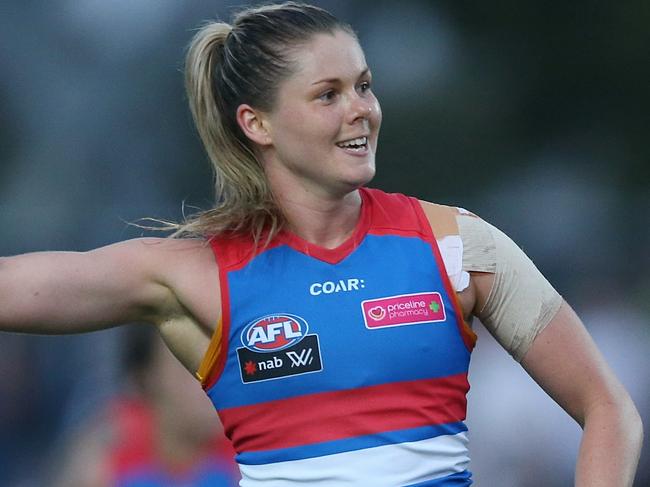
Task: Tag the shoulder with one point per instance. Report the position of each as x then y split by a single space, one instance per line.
184 265
152 254
444 220
169 277
187 293
389 208
474 235
153 246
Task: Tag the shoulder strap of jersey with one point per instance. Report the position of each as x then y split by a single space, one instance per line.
441 218
396 214
231 252
441 221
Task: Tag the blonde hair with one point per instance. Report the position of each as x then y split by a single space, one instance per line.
229 65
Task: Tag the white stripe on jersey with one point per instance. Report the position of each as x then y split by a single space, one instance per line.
382 466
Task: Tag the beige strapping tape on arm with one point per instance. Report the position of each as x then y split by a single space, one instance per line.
521 302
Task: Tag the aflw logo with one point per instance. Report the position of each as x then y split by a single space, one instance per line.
302 358
305 357
277 346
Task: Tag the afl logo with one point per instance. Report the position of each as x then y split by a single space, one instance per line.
273 332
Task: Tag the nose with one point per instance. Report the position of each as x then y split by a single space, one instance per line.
361 108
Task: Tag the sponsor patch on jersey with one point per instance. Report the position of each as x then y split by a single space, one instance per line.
274 332
404 309
277 346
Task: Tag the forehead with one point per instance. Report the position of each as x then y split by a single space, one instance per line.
328 56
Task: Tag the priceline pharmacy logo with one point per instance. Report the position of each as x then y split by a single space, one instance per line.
405 309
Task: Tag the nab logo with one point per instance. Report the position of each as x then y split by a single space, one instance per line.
277 346
271 333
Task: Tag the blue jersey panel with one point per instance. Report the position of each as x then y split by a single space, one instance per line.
328 298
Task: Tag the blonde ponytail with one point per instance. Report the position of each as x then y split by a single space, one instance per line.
226 66
244 200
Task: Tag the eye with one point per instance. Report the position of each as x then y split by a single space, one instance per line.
329 95
364 86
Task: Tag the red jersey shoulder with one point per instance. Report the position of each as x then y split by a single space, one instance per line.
396 213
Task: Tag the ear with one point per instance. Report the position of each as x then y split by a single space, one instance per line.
254 125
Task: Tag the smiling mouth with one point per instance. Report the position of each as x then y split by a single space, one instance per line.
360 144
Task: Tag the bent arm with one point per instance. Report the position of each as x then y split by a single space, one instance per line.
528 318
565 362
71 292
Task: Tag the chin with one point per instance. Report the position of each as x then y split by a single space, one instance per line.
359 179
367 174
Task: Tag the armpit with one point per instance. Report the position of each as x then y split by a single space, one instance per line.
521 302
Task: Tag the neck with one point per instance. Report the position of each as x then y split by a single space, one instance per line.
322 220
320 210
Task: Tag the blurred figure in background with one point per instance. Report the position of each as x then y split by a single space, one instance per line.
159 431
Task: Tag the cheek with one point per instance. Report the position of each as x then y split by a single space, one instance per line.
310 130
292 126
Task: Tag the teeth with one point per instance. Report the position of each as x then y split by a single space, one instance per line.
358 141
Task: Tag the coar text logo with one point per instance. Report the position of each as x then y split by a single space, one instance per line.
342 285
273 332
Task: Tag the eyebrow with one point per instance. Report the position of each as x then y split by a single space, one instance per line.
334 80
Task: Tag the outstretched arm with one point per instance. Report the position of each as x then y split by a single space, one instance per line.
565 362
69 292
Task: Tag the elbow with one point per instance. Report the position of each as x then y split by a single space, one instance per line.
629 415
637 428
624 416
634 433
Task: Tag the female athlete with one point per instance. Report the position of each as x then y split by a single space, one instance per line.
327 322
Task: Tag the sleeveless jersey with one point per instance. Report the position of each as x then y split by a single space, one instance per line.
344 366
